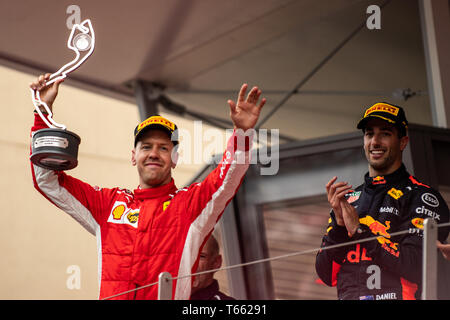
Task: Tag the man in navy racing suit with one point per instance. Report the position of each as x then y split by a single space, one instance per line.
389 200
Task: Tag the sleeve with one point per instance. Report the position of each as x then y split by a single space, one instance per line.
208 199
80 200
402 254
328 262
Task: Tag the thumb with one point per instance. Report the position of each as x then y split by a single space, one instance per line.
232 106
55 85
58 82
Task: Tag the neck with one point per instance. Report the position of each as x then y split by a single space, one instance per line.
144 185
202 286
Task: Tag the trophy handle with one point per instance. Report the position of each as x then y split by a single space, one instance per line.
85 43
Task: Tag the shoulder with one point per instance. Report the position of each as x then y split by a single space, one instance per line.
423 192
179 193
426 201
115 194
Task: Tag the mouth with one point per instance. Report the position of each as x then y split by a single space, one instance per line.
153 165
377 154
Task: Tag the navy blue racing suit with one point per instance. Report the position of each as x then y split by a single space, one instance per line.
388 267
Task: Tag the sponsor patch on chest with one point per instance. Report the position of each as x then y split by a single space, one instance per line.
394 193
353 196
121 214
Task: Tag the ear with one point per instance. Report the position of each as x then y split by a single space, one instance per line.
218 261
403 142
133 157
174 157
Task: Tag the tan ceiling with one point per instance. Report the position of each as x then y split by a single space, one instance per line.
203 50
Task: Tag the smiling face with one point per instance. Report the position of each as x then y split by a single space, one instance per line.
383 147
153 158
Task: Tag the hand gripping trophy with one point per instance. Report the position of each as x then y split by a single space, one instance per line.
55 147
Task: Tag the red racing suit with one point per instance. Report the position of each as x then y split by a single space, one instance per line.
143 233
388 267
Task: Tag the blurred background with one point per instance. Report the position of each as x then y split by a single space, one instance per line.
318 63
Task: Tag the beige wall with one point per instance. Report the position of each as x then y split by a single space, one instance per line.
38 241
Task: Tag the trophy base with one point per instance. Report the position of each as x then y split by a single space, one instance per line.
55 149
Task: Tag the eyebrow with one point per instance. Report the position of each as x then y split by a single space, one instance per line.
164 144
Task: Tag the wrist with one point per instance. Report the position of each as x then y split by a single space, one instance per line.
43 110
359 231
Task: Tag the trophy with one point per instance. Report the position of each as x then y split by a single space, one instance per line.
55 147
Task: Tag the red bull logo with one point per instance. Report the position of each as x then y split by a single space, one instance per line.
376 227
378 180
380 229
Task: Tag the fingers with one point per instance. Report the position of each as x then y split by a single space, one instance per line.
58 82
337 195
328 185
262 103
252 97
342 191
40 82
336 191
335 188
241 96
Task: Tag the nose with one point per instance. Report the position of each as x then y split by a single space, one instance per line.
376 141
153 153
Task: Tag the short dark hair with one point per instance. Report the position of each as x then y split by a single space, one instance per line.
401 131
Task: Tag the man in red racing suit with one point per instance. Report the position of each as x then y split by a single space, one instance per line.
157 227
389 200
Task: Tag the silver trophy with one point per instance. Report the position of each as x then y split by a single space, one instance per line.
55 147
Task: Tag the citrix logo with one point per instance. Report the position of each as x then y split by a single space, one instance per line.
428 212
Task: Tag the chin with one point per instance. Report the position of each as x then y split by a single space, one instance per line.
381 167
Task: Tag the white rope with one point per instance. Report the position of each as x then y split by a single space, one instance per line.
297 253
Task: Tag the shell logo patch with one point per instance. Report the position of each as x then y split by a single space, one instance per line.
417 222
118 212
121 214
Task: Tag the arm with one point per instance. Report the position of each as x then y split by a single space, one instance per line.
445 249
207 200
210 197
328 261
80 200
